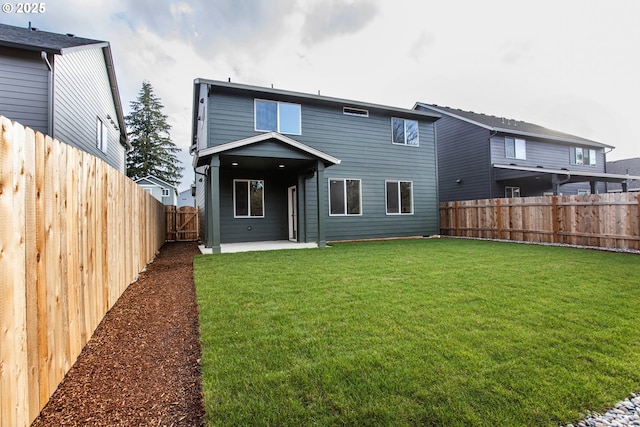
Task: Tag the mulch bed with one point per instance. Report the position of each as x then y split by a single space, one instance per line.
142 365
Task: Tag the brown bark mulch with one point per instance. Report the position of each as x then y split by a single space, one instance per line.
142 365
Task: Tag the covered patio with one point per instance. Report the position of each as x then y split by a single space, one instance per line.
290 193
556 177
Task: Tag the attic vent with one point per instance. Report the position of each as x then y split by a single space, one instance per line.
350 111
70 35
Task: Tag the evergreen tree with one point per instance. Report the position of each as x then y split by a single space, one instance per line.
153 152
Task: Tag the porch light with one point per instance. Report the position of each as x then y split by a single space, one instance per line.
281 166
234 163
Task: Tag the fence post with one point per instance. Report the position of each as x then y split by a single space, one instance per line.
457 219
499 218
554 218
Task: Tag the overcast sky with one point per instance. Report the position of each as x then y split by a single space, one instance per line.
570 65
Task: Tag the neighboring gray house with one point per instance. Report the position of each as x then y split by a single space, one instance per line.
161 190
482 157
625 167
276 165
186 198
63 86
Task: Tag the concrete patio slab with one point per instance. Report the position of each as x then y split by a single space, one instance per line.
227 248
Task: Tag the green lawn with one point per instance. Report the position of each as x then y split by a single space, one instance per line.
441 332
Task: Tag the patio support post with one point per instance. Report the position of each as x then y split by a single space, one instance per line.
592 186
213 205
322 197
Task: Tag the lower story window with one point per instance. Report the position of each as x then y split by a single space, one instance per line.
399 197
248 198
344 197
511 192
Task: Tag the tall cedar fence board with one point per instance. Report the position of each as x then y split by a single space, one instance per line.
74 234
600 220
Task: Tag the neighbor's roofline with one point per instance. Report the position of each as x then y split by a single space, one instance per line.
581 141
320 98
157 179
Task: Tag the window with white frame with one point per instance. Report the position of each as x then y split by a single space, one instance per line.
582 156
248 198
352 111
515 148
404 132
165 192
282 117
344 197
511 192
101 135
399 197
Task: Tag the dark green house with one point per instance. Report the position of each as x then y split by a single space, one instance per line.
279 165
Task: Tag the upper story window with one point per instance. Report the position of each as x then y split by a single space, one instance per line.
582 156
352 111
515 148
102 134
405 132
344 197
399 197
282 117
165 192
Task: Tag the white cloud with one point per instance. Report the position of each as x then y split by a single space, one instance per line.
568 65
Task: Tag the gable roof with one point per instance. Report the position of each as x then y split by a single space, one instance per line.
201 156
630 166
510 126
156 181
34 40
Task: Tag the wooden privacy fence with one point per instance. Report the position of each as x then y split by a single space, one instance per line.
182 223
603 220
74 233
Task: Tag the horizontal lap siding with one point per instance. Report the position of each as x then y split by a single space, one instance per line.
363 144
274 224
24 88
548 155
83 94
463 154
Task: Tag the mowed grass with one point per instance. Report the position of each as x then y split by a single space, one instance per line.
441 332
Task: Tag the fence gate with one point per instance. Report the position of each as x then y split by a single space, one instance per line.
182 223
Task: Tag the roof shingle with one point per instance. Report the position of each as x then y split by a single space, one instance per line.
32 39
505 125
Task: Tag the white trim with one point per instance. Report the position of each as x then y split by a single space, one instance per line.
261 138
386 206
248 216
567 172
344 181
357 112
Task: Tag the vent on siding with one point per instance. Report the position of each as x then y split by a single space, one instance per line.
350 111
